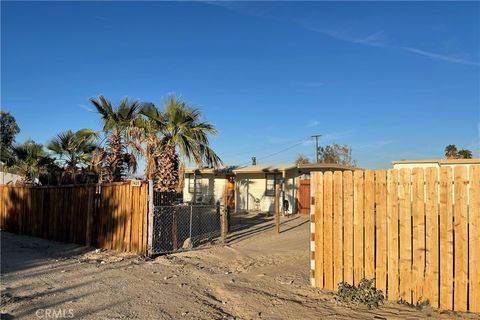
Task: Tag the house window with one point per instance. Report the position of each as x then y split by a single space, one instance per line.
191 180
271 180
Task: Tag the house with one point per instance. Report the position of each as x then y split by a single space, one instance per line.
436 163
9 178
252 188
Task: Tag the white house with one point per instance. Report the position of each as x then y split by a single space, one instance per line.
9 178
436 163
252 188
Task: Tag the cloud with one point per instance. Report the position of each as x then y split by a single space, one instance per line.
85 107
436 56
380 39
376 39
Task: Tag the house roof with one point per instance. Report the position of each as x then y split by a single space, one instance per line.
265 168
439 161
209 170
271 168
326 166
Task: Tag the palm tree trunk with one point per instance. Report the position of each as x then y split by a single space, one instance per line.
168 172
115 166
152 156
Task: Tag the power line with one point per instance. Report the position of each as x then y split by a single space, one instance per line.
278 152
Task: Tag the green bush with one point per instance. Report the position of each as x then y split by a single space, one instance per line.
365 293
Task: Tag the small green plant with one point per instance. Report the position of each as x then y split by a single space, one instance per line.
365 293
420 304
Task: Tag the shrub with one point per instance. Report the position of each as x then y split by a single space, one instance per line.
365 293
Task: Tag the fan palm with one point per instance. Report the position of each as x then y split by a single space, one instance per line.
182 132
122 146
74 149
464 154
151 126
451 151
30 161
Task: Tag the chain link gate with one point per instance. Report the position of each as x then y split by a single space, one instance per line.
183 227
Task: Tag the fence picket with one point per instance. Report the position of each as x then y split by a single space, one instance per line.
369 224
337 228
418 226
461 239
446 239
381 230
405 235
358 219
348 226
431 236
328 225
392 225
318 183
474 240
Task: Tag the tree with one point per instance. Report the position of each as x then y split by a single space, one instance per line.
8 130
451 151
338 154
464 154
152 130
74 149
302 159
182 132
123 145
30 160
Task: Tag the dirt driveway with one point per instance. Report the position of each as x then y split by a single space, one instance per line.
259 275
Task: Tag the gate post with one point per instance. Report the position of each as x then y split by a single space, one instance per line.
151 209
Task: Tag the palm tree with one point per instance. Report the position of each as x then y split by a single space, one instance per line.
151 126
30 160
464 154
451 151
74 149
123 145
182 132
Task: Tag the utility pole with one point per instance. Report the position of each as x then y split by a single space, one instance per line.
316 136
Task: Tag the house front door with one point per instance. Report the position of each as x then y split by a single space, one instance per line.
304 196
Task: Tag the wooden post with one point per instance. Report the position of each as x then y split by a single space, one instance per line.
284 189
277 208
151 209
224 215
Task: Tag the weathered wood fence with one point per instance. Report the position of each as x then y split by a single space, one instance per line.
110 216
417 232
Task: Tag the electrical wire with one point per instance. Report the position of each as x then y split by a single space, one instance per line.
278 152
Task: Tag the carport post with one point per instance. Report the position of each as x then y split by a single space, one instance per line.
277 208
151 209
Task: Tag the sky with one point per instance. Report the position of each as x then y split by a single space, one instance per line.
394 80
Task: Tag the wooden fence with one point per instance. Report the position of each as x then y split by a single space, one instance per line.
417 232
110 216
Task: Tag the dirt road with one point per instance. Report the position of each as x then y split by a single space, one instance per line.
259 275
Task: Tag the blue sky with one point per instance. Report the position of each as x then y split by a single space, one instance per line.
393 80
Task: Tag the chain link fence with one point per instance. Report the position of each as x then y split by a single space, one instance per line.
183 227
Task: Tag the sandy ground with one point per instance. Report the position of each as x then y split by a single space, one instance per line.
259 275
